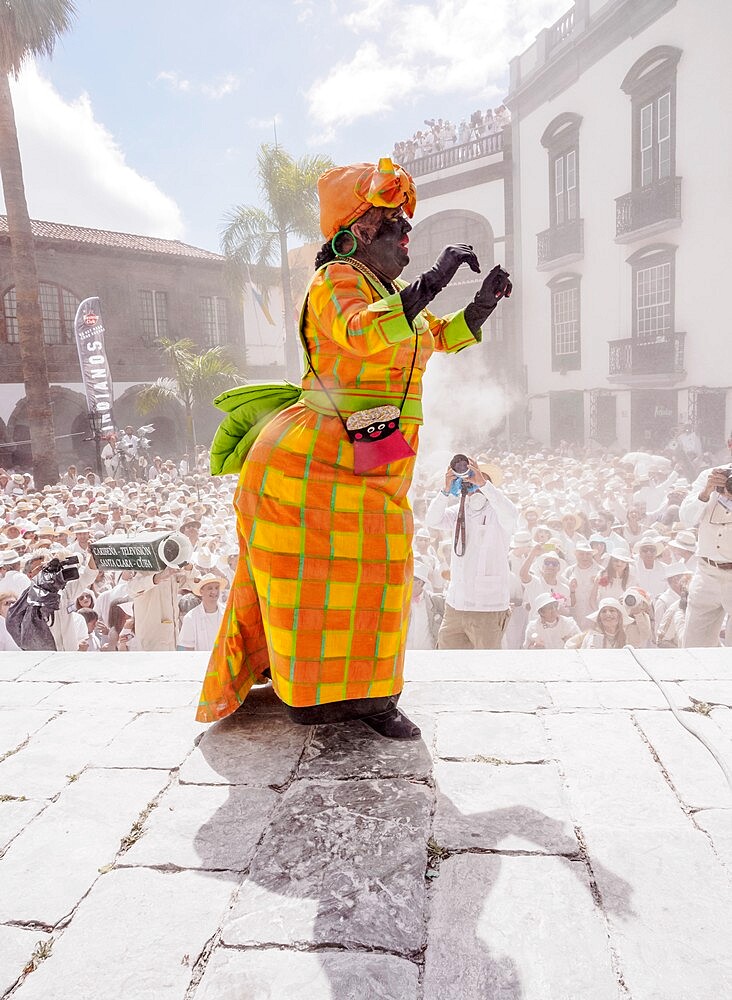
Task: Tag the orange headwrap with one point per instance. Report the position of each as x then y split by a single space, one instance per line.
347 192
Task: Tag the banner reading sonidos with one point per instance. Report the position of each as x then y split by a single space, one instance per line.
89 331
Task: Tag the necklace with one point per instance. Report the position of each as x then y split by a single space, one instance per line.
368 273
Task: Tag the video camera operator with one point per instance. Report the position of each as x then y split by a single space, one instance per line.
478 595
44 616
709 506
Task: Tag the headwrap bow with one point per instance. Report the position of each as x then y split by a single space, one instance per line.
347 192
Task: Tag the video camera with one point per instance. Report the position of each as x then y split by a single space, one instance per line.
728 484
52 578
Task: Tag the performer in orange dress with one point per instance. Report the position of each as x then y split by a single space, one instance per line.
321 595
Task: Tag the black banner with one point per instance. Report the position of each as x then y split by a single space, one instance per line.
95 374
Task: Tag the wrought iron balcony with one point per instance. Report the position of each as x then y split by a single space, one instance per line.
655 205
559 242
633 357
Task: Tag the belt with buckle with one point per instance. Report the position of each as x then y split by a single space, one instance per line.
717 565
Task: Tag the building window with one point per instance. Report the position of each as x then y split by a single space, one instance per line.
153 315
565 322
214 320
651 86
58 309
653 293
564 202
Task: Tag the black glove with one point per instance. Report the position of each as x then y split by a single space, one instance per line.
495 287
421 292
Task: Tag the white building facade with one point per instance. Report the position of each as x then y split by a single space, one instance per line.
622 209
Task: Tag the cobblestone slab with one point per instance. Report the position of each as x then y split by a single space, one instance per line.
352 750
56 859
130 696
15 816
136 936
687 664
25 694
497 696
344 864
16 664
502 807
18 724
246 749
611 665
718 824
232 974
134 666
695 774
496 665
518 929
607 694
214 827
17 945
509 737
63 746
667 895
153 739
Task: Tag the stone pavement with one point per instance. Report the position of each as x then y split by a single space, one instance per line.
557 835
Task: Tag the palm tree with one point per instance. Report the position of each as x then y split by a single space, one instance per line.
254 239
28 28
196 379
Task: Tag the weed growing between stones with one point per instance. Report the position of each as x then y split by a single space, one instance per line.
13 798
41 952
701 707
435 854
137 828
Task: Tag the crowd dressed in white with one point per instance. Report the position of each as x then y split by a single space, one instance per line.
600 555
440 134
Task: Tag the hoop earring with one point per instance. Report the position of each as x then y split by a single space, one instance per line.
334 248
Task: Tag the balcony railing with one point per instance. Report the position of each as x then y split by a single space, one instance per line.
560 241
637 357
648 206
561 29
485 145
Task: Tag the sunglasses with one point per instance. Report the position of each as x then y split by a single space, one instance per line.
551 562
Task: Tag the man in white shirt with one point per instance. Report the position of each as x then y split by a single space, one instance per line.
426 610
200 625
478 594
709 506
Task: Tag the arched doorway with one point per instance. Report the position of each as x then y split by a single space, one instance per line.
168 419
70 423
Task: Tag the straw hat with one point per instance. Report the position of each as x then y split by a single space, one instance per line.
543 600
208 578
651 539
492 471
677 569
620 554
685 540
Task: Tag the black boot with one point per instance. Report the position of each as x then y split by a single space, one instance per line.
393 725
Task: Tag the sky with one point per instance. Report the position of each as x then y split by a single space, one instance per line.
149 115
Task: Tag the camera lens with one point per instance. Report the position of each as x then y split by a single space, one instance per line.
728 485
459 464
630 600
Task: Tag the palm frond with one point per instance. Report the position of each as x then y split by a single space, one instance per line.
31 28
163 390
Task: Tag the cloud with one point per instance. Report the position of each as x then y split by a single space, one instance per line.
90 183
214 90
263 124
445 47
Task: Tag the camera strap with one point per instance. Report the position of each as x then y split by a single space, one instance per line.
458 544
374 433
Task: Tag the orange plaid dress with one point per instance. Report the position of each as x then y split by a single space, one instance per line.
322 590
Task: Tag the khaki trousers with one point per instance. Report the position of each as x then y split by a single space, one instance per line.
472 629
710 598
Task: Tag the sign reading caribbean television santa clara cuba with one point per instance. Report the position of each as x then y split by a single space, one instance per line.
148 551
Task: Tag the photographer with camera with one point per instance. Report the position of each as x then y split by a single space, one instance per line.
45 616
709 506
478 594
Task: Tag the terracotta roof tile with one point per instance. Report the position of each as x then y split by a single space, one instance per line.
116 241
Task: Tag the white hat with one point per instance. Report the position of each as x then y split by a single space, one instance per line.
677 569
543 600
685 540
611 602
521 538
420 571
621 554
650 538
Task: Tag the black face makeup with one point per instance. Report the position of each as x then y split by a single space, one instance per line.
388 252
